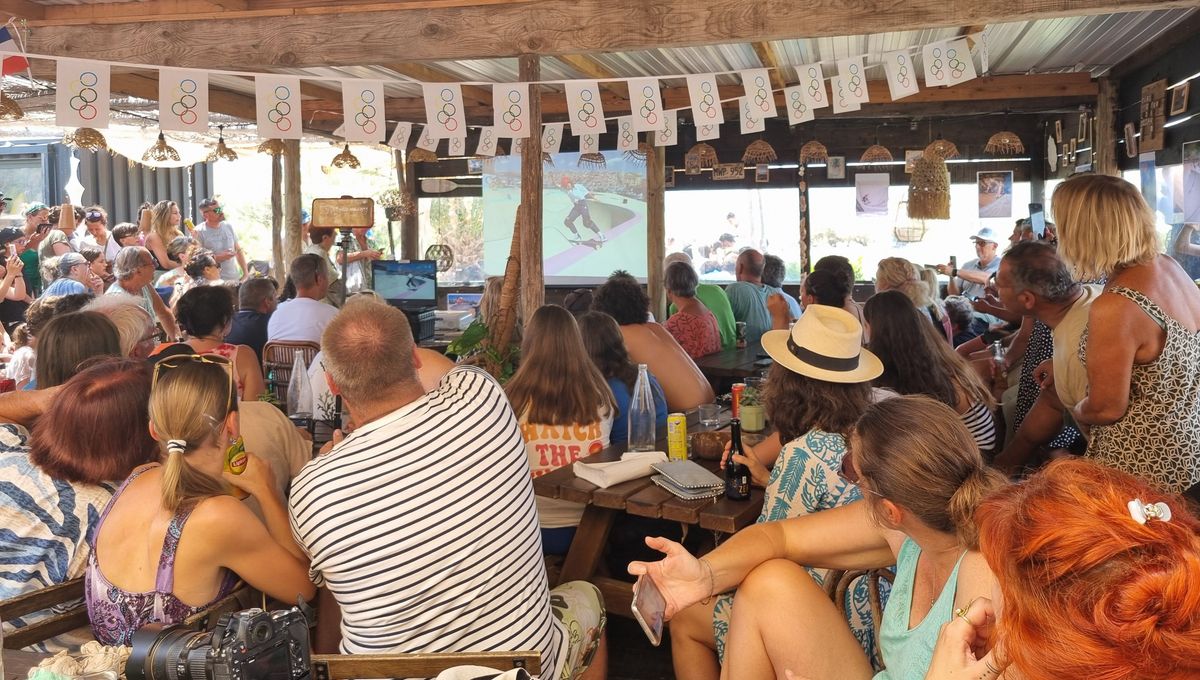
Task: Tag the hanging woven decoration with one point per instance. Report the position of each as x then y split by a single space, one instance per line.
943 148
275 147
1004 143
759 151
422 156
594 161
86 138
345 159
702 156
929 189
9 109
813 152
638 156
908 229
161 151
876 153
222 152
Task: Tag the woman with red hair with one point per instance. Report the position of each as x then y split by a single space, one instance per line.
1097 574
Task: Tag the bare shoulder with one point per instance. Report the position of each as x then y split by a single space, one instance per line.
975 578
223 520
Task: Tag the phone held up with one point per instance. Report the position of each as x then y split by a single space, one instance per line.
649 608
1037 220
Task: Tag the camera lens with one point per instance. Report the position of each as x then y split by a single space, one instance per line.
165 653
261 632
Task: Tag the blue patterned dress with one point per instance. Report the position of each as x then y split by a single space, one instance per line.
805 480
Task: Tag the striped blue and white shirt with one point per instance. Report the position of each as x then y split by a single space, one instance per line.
422 524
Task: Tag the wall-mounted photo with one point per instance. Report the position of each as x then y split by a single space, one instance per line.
1179 98
762 173
669 177
1082 133
835 167
1131 142
910 157
995 193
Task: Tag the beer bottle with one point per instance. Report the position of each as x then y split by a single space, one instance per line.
737 475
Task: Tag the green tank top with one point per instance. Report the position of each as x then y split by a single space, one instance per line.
907 652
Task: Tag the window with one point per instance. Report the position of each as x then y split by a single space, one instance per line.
1165 197
699 222
22 182
456 222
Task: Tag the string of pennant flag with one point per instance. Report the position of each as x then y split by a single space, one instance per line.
83 89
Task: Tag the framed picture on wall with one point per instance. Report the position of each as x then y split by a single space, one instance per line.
669 177
762 173
835 167
1058 131
1179 98
910 157
1082 134
691 164
1131 142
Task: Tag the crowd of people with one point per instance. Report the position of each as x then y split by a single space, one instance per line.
1021 462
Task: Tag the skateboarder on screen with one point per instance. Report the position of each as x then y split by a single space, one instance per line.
579 195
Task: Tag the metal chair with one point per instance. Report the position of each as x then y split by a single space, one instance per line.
837 582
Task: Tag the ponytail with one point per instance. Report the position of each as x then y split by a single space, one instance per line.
182 482
966 499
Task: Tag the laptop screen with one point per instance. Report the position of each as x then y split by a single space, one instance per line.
410 284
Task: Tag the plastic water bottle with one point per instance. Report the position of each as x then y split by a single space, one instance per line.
299 394
641 414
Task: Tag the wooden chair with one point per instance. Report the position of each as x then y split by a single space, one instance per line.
345 666
838 582
242 597
70 613
277 365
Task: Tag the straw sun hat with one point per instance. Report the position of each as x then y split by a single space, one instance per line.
825 344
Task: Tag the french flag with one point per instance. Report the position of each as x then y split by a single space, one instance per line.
13 62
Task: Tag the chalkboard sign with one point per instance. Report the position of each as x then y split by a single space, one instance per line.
343 212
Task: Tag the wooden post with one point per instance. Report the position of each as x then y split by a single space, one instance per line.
533 291
805 242
656 229
291 201
410 225
1104 136
1037 167
277 220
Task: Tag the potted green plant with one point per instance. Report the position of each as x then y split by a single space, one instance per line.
752 412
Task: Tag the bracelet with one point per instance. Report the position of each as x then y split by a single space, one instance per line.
712 582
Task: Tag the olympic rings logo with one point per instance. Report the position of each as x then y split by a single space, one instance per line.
456 145
816 89
902 71
708 129
707 100
627 136
486 141
365 118
666 133
512 115
647 111
855 82
957 66
84 95
549 139
762 96
796 102
282 109
587 110
937 69
185 102
446 113
751 121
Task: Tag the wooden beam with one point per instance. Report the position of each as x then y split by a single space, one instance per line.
202 10
508 29
292 201
1104 130
22 9
410 225
429 74
532 283
656 227
586 66
768 58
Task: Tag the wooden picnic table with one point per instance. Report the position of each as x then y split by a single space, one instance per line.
639 497
728 366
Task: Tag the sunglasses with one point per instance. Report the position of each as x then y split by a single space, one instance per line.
173 362
94 216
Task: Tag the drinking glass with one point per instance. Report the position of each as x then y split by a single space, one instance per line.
710 414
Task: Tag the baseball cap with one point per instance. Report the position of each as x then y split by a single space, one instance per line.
985 234
68 260
208 203
10 234
35 207
304 217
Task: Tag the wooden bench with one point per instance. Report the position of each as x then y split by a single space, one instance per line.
68 596
339 666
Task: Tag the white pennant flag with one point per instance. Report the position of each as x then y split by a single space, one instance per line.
707 131
552 134
757 83
901 74
706 99
183 100
510 109
798 109
584 107
457 146
589 143
646 103
812 79
428 140
627 136
444 109
400 135
750 119
854 77
277 101
668 134
81 99
948 63
362 102
841 102
487 142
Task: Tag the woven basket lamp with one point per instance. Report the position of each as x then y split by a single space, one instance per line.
86 138
422 156
275 147
593 161
222 152
813 152
759 151
9 109
943 148
702 155
877 154
639 155
160 151
1004 143
929 189
345 159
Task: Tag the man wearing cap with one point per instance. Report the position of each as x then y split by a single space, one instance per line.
970 280
74 276
217 235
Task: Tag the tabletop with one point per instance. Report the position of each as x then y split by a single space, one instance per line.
734 363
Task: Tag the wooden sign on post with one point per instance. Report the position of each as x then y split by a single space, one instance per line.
343 212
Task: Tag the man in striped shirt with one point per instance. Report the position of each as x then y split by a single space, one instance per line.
422 523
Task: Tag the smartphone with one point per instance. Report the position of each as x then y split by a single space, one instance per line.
649 608
1037 219
43 227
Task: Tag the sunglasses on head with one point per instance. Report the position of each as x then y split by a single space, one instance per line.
94 216
172 362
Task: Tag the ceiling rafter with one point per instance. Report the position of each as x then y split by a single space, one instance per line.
769 59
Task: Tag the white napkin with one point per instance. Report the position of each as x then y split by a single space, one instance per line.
633 464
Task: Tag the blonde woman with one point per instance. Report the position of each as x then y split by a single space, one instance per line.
173 540
160 224
1141 346
897 273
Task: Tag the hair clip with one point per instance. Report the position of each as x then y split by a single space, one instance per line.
179 445
1141 512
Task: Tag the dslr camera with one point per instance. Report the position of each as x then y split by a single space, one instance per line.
247 645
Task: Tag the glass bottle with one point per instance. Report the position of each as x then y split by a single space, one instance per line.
299 393
737 475
641 414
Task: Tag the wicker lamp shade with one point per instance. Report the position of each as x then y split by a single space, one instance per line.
943 148
593 160
161 151
345 159
1004 143
639 155
759 151
422 156
813 152
9 109
702 155
929 189
876 154
86 138
222 152
275 147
